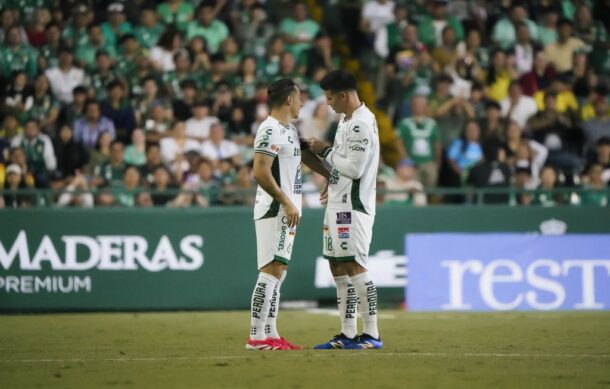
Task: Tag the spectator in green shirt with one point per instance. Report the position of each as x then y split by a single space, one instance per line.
299 31
116 25
211 29
75 33
86 54
127 60
149 30
176 12
504 31
418 138
596 192
15 56
430 27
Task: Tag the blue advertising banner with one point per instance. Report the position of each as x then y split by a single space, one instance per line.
498 272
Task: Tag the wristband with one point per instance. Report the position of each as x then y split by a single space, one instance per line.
324 153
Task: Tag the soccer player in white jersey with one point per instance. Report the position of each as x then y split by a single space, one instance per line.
350 210
277 211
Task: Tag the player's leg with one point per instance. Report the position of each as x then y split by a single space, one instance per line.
333 247
282 254
270 271
363 284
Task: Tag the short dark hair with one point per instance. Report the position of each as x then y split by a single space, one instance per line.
279 90
338 80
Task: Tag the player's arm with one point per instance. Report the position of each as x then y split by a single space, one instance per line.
352 164
314 163
264 177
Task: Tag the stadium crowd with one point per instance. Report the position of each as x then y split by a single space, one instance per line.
156 103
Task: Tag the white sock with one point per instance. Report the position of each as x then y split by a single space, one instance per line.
259 309
367 302
271 326
347 302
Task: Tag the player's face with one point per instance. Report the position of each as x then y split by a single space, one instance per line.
296 105
335 100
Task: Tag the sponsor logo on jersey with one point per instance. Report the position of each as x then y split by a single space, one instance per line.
344 218
343 232
357 148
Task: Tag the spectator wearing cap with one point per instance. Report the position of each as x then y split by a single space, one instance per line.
162 54
15 55
489 172
88 128
403 188
65 77
541 75
558 132
149 30
560 53
75 33
116 25
299 30
522 194
118 109
13 183
517 106
39 152
177 13
217 147
49 52
504 31
213 30
599 126
198 126
418 138
87 53
430 27
100 76
71 155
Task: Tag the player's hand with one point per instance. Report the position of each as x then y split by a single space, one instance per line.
324 194
292 215
316 145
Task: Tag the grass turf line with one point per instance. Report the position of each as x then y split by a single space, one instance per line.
189 349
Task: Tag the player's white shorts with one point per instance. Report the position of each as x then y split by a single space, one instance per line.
346 236
274 240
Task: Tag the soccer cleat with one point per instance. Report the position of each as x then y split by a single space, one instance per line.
338 342
284 342
365 342
265 345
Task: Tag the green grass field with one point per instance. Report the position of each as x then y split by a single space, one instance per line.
206 350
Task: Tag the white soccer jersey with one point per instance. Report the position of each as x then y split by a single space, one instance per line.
354 158
281 142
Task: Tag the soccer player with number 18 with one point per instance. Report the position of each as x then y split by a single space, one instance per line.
350 210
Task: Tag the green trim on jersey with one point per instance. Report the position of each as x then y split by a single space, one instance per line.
340 259
281 259
355 195
262 151
275 205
